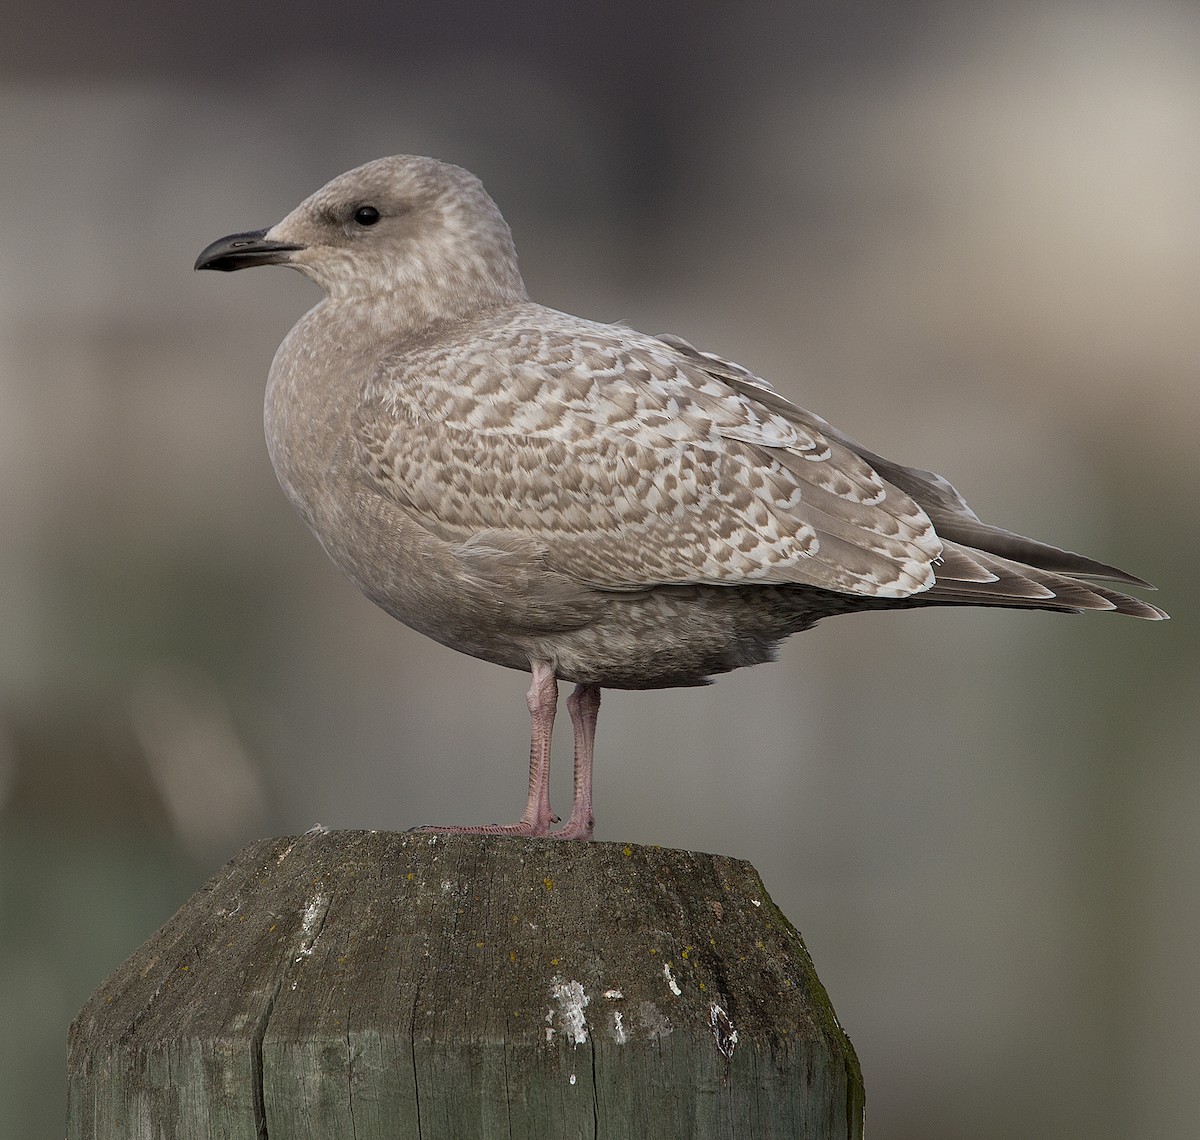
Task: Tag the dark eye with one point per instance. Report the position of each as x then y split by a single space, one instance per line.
366 215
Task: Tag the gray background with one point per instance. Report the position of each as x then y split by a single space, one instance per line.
967 234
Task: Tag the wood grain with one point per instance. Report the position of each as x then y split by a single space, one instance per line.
371 984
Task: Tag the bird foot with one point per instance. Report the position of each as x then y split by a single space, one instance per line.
573 830
528 830
580 829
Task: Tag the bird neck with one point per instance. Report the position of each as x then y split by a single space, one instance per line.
427 290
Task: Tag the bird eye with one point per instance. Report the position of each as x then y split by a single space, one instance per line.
366 215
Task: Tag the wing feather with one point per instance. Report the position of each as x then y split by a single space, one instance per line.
632 463
980 564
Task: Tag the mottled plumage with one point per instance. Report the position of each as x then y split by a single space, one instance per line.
582 500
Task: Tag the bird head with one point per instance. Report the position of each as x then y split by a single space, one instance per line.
416 234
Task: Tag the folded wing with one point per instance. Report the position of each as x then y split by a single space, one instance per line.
631 465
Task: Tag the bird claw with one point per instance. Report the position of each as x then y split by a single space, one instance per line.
577 830
521 830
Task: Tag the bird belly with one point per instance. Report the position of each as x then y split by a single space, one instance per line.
673 636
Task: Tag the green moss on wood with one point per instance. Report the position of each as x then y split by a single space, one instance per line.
379 985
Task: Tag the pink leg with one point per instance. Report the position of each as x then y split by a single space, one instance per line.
584 706
537 817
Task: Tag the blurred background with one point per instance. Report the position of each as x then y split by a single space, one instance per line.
967 234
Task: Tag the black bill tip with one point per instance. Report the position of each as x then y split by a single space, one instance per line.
240 251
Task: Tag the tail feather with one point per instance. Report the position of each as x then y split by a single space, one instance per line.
1023 586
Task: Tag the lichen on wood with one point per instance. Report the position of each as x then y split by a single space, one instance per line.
371 984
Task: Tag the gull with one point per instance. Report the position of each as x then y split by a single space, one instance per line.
580 500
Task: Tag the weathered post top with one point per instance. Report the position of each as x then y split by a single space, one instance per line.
372 984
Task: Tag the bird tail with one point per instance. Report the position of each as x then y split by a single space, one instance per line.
985 565
1041 578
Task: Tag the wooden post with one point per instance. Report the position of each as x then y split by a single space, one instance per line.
379 985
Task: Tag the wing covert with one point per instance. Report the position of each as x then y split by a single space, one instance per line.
631 465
